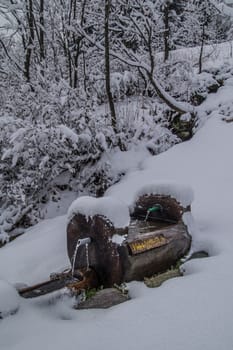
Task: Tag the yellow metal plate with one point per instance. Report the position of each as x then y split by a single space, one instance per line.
143 245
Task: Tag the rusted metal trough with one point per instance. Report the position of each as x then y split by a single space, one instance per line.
102 252
155 239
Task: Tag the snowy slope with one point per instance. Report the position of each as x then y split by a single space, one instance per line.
194 312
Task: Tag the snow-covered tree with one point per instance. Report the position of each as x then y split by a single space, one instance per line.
59 61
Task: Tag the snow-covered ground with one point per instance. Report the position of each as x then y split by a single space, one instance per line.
194 312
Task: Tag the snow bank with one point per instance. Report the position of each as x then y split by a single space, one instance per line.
37 253
125 161
116 211
131 188
9 299
182 193
193 312
223 7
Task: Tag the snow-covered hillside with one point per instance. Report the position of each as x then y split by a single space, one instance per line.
193 312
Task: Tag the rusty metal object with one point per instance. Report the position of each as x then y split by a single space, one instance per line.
158 259
43 288
87 279
149 248
104 256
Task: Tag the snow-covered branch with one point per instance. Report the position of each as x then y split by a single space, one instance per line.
180 107
223 8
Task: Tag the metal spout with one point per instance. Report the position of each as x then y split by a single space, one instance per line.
83 241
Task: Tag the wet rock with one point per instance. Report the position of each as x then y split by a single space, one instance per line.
182 125
104 299
213 88
198 97
198 255
157 280
204 84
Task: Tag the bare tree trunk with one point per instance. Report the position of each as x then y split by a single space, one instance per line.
76 55
166 32
41 35
107 66
202 49
84 74
78 42
31 37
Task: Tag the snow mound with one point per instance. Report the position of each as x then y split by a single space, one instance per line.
182 193
9 299
118 239
116 211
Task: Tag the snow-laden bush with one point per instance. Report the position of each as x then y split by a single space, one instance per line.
139 123
209 81
176 77
36 150
51 131
122 84
34 155
202 85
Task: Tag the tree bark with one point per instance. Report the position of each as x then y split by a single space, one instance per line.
41 35
78 42
31 37
107 66
166 32
202 49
